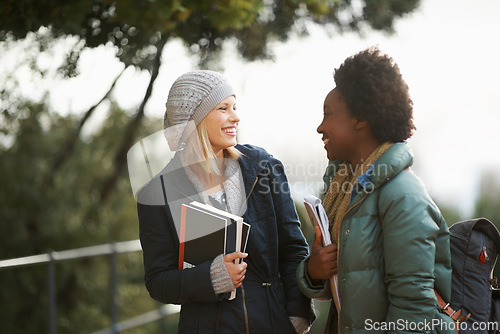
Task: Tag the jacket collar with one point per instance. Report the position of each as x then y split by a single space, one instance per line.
176 175
390 164
188 184
252 161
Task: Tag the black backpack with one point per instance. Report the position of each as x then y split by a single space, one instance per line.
475 245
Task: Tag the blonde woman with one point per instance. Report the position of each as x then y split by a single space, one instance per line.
209 167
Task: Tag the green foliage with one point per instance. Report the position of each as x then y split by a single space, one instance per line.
42 211
46 208
450 214
487 207
380 14
135 27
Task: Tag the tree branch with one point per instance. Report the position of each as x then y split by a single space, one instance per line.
64 153
120 159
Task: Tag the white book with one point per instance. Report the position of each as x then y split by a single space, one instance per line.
239 233
318 217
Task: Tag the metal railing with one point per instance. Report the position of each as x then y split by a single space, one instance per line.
112 250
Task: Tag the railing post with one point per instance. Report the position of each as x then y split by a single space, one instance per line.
52 258
52 294
162 327
113 289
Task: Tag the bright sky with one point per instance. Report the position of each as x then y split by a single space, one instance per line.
448 54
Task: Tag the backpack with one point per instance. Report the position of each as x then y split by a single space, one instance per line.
474 246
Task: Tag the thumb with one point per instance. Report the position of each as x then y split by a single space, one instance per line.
233 256
317 237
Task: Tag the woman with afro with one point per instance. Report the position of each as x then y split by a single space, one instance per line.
390 245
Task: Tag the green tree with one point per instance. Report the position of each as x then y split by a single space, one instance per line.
487 207
37 218
450 214
140 29
134 26
60 189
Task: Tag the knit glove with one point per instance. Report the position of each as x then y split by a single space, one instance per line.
221 281
301 325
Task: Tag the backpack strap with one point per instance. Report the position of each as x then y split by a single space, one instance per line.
445 308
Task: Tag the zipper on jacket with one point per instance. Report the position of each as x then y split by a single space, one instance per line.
197 318
339 248
245 312
355 204
483 256
245 309
249 193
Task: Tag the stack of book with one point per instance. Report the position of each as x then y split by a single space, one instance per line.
318 217
206 232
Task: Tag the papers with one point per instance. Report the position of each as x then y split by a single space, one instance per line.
318 217
206 232
240 233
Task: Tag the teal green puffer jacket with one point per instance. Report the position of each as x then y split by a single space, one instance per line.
393 250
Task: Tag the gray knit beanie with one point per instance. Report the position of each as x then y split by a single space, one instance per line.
193 95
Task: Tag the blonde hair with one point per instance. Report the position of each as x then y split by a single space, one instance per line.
199 149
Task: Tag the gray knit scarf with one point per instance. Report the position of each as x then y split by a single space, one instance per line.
233 186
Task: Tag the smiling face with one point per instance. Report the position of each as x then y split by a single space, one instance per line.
338 128
222 122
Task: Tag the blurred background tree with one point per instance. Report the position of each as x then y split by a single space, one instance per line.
139 31
62 189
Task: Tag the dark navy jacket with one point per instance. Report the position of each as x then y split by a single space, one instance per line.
276 246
